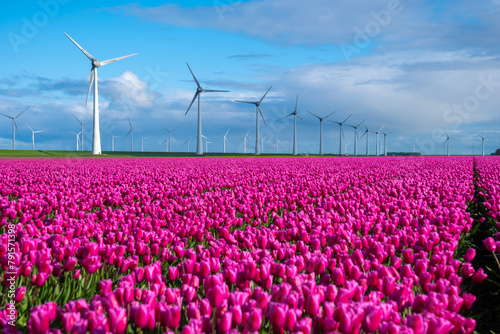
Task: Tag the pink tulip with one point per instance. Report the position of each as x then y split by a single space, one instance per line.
490 244
469 255
479 276
117 320
254 320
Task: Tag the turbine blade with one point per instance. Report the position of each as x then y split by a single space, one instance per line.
6 115
177 128
129 122
364 133
29 126
381 128
261 115
15 124
303 120
76 118
21 112
226 133
214 90
106 62
86 53
346 118
315 115
330 114
279 119
192 101
90 86
360 124
250 102
196 80
262 98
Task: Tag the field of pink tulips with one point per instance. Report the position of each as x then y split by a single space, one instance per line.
253 245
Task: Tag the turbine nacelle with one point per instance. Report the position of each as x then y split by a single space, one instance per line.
95 63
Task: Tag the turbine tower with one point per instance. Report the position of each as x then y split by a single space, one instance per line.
245 141
385 142
378 132
96 138
82 125
355 127
225 140
131 131
482 143
187 142
447 140
321 119
33 136
262 143
169 137
367 133
277 142
341 133
14 126
295 115
113 142
197 94
257 112
142 142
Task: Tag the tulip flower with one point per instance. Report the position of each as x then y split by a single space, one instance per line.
479 276
469 255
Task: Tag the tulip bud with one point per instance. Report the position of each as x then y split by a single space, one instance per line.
490 244
20 292
469 255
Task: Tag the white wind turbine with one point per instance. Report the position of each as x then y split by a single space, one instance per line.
14 126
142 142
367 133
225 140
482 143
33 136
262 144
96 138
277 142
377 133
289 145
77 138
321 119
355 127
341 133
385 142
447 140
295 115
257 112
245 141
197 94
131 131
113 142
82 125
169 138
187 142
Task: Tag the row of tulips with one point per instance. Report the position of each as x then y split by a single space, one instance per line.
227 245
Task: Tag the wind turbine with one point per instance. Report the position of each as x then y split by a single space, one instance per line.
378 132
295 115
289 145
257 112
225 140
277 142
321 119
197 94
169 137
187 142
14 126
245 141
131 131
385 142
367 133
142 142
447 140
341 133
77 138
355 127
113 142
262 143
96 139
33 136
82 125
482 143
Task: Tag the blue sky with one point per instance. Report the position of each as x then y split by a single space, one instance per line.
419 68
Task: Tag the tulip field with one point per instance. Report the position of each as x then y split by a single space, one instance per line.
252 245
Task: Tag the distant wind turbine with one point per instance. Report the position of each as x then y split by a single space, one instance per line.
14 126
378 132
245 141
482 143
113 142
341 133
385 142
197 94
96 139
447 140
33 136
225 140
262 143
355 127
321 119
169 137
257 112
277 142
77 138
367 133
131 131
295 115
82 125
289 145
142 142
